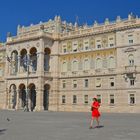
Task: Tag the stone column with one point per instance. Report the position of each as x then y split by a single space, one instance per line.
39 96
54 69
19 63
17 99
40 60
40 73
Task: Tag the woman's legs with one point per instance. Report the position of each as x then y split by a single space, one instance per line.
97 120
91 122
92 119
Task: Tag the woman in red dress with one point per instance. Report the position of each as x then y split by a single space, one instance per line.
95 112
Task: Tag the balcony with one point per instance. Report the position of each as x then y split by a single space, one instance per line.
130 69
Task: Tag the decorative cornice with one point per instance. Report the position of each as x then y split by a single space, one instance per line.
126 25
19 39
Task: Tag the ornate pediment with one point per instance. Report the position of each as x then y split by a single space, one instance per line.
130 50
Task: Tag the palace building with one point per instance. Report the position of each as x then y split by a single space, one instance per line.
58 66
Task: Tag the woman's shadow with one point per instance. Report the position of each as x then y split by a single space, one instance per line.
2 131
100 126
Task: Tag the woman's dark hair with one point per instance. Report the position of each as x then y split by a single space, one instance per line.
95 99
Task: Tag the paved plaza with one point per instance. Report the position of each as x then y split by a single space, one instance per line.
67 126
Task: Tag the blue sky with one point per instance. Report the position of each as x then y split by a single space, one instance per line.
25 12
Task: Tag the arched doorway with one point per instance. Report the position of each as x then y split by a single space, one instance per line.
47 52
22 95
46 96
12 96
32 95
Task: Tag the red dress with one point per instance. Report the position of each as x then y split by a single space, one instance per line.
95 112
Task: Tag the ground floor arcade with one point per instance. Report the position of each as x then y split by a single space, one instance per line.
18 96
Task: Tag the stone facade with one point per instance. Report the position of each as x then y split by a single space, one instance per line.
59 66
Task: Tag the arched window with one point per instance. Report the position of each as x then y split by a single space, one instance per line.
33 59
64 67
131 60
98 63
75 65
86 64
111 62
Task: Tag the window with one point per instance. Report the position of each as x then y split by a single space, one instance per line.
112 82
98 44
132 82
86 99
131 60
75 65
63 84
63 99
86 82
86 64
75 46
64 49
74 83
132 99
130 39
111 62
98 82
111 41
86 45
74 99
98 63
112 101
99 98
111 45
64 67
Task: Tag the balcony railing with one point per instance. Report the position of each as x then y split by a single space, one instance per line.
47 74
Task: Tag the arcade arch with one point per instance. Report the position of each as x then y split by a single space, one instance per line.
33 58
46 96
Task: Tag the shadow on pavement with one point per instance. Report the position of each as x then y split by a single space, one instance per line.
2 131
100 126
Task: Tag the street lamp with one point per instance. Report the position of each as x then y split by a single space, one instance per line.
27 90
26 61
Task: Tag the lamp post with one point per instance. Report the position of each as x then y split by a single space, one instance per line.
27 91
27 82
